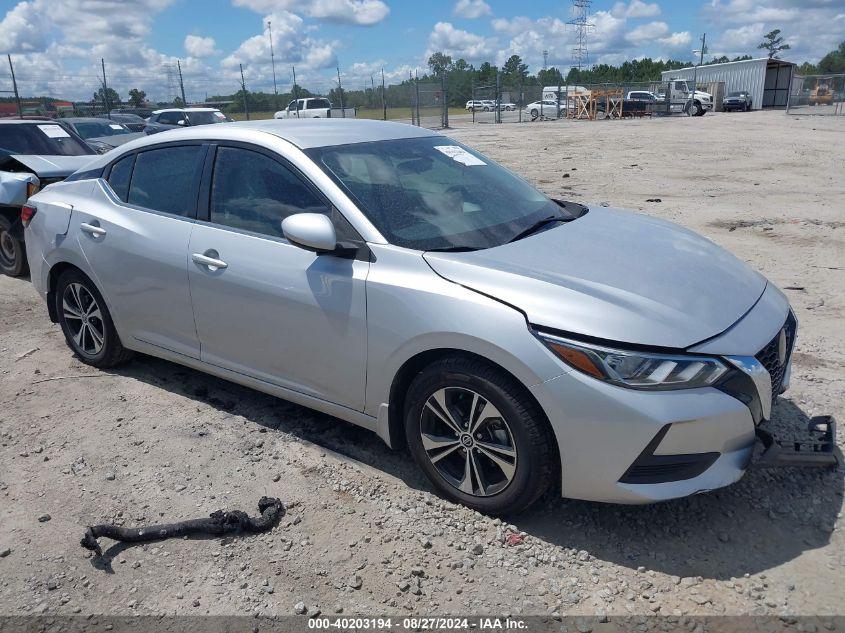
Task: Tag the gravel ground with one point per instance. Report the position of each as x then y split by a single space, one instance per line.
363 533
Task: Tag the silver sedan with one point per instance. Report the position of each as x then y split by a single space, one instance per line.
394 278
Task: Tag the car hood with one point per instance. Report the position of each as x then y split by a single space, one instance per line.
614 275
117 140
53 166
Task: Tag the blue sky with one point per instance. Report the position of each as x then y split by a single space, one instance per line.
57 44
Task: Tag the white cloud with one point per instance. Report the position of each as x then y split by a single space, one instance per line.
197 46
23 29
677 41
458 43
292 46
359 12
471 9
636 9
647 33
810 27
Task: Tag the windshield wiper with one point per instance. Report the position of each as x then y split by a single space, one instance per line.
452 249
539 224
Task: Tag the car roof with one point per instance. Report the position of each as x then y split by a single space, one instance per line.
186 110
303 133
10 120
81 119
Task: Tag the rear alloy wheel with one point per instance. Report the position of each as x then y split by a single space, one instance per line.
86 322
478 436
12 253
693 109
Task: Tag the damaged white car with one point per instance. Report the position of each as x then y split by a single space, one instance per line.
33 154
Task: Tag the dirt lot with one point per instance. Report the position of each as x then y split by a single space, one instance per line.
154 442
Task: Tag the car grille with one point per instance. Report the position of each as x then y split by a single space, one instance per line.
769 356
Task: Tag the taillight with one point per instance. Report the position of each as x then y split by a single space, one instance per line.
31 189
27 213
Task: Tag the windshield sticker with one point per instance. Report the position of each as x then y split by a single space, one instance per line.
115 126
459 154
54 131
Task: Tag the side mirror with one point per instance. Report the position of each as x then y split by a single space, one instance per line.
311 231
181 122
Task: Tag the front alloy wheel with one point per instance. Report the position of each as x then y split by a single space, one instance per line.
468 441
12 254
479 436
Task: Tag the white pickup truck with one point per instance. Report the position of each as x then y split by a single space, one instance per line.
313 108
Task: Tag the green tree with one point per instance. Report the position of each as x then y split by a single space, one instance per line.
773 42
834 61
550 77
137 98
108 99
514 71
440 63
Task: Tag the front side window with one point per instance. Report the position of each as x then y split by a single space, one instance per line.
120 174
170 118
253 192
432 193
163 179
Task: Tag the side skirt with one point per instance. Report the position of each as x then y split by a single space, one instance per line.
330 408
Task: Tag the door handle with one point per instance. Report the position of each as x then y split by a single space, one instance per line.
92 229
212 262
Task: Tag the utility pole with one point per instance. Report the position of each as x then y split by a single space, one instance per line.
243 87
181 85
105 88
417 91
695 71
295 91
273 65
383 99
15 85
340 92
372 92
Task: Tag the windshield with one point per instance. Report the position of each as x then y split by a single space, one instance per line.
735 94
433 193
94 129
204 118
47 139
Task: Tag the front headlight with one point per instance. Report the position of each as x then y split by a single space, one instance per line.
635 369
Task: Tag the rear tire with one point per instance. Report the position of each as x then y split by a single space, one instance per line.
493 450
86 322
12 250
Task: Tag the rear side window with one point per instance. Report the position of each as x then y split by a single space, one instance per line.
320 103
165 179
120 174
253 192
170 118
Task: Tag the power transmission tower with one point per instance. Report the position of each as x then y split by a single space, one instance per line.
580 20
171 89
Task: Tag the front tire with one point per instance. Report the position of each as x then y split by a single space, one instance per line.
86 322
478 436
12 251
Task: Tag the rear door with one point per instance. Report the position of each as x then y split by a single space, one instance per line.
269 309
134 231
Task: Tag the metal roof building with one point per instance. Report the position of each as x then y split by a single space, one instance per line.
766 80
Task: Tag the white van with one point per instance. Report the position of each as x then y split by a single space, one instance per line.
550 92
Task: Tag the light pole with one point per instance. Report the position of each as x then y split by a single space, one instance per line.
695 70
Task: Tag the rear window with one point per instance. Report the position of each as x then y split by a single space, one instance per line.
204 118
165 179
319 103
44 139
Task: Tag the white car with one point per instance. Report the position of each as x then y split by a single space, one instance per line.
546 107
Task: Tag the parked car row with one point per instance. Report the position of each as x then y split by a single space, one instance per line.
489 105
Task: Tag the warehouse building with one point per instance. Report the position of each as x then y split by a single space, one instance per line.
766 80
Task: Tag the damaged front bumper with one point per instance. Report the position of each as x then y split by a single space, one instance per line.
16 187
817 450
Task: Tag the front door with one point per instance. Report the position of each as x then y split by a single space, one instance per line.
264 307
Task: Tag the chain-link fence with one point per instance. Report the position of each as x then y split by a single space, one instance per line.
817 94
